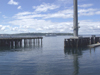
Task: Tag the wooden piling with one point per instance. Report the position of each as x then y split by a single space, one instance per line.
17 41
80 42
25 42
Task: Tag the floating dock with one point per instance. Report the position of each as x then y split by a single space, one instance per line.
82 42
17 41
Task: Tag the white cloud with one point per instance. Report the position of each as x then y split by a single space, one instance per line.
68 13
35 25
3 28
40 22
19 7
87 12
98 12
85 5
89 27
61 14
45 7
23 13
11 2
4 16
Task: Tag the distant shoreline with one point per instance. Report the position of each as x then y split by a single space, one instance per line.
37 34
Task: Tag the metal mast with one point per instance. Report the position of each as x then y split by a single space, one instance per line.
75 21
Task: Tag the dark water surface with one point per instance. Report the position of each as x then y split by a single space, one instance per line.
49 59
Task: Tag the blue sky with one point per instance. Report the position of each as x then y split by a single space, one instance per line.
22 16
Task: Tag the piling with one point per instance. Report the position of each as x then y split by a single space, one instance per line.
17 41
80 42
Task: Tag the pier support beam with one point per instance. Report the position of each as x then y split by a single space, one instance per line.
12 44
41 41
34 41
20 42
25 42
30 41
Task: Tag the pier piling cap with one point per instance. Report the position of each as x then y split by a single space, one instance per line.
76 37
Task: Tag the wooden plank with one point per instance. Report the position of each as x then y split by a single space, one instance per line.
94 45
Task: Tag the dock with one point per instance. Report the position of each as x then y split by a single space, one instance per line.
94 45
76 41
18 41
82 42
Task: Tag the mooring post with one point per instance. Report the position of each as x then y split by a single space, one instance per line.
69 43
4 42
41 41
16 43
30 41
8 43
0 43
65 43
20 42
38 41
93 39
34 41
11 43
25 42
89 41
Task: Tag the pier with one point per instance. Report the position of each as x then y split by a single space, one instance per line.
82 42
18 41
77 41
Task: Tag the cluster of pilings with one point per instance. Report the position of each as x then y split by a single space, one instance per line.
80 41
18 42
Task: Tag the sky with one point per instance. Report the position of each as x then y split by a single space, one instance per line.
28 16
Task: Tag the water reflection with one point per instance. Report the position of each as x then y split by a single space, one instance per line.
75 53
20 48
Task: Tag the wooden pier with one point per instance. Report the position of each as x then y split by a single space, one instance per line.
81 42
18 41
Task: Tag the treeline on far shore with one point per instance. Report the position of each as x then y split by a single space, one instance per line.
44 34
37 34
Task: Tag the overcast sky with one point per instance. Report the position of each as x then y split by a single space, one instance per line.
21 16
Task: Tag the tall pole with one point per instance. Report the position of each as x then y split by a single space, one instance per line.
75 21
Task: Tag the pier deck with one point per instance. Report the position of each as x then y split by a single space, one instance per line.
17 41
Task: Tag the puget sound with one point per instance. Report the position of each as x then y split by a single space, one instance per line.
50 58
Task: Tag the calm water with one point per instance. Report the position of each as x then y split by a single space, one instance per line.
50 59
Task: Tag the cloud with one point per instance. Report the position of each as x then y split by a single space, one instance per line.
41 25
4 16
19 7
11 2
85 5
61 14
3 28
98 12
45 7
87 12
35 25
64 1
23 13
42 22
89 27
68 13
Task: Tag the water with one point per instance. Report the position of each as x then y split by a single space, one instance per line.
49 59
